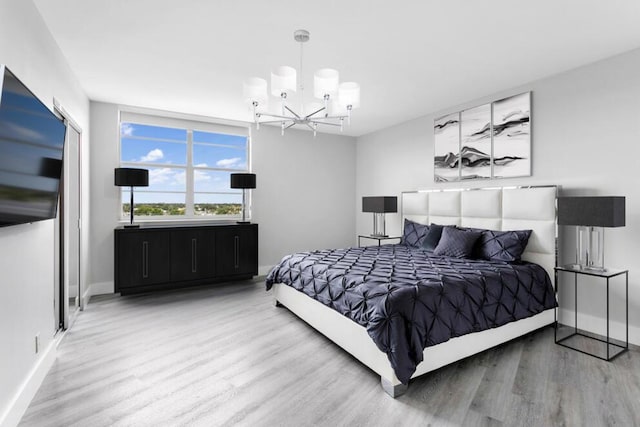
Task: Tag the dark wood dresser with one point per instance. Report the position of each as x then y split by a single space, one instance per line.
154 258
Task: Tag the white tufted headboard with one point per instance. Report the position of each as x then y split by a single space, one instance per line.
506 208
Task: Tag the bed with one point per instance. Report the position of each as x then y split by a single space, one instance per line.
379 303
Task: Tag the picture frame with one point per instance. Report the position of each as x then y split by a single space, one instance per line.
488 141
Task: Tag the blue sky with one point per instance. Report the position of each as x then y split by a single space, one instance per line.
167 148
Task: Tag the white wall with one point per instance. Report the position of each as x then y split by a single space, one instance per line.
585 137
27 251
105 208
305 193
303 200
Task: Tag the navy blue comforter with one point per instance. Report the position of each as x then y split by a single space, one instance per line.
408 299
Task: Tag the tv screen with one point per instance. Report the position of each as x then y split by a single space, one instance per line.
31 149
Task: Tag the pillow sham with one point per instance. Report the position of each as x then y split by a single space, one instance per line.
413 233
432 238
502 245
456 243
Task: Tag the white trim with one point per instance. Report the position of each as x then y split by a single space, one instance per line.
177 120
189 123
263 270
598 325
28 389
99 288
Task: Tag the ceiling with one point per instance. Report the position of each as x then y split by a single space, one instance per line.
411 58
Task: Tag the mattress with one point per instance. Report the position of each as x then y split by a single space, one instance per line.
408 299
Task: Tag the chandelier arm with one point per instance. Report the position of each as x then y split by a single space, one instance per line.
288 119
310 116
325 123
277 116
329 118
309 126
291 125
292 112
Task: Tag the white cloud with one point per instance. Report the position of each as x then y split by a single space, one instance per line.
161 176
180 176
201 165
126 129
201 176
170 176
228 163
153 155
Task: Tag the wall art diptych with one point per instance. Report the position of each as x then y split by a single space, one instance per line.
488 141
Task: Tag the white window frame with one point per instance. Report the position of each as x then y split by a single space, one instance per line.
189 123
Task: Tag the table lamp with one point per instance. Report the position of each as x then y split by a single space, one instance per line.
379 205
131 177
244 181
591 215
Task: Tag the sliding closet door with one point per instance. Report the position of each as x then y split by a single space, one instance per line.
69 290
71 221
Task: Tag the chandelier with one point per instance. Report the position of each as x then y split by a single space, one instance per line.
342 97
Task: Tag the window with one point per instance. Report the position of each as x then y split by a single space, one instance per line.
189 164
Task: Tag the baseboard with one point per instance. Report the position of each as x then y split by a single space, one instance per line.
263 270
19 404
598 325
100 288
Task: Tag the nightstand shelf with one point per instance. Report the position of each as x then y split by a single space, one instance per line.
378 238
602 347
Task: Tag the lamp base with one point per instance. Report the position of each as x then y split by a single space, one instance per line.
132 226
379 235
590 248
596 269
243 222
579 267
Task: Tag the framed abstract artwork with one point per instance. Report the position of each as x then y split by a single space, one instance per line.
475 143
447 145
512 136
484 142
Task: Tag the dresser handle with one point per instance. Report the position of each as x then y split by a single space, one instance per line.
237 251
194 255
145 260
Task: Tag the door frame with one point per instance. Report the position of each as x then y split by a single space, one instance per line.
64 318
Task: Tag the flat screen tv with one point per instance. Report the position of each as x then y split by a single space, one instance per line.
31 150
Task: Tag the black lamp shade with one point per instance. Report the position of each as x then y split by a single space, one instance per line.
380 204
592 211
131 177
243 180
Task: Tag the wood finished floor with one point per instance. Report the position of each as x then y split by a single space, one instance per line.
224 355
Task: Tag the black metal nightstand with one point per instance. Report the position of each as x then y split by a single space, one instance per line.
613 349
378 238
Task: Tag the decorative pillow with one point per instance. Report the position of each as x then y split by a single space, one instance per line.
433 237
456 243
502 245
413 233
